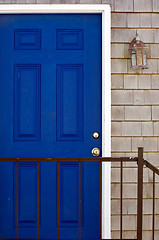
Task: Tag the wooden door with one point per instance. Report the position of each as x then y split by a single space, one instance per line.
50 104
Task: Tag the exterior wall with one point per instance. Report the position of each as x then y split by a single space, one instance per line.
135 109
135 105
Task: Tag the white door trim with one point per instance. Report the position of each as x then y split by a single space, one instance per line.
106 84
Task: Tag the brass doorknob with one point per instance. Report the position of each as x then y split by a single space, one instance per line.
95 152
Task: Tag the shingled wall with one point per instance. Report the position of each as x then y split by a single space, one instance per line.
135 109
135 105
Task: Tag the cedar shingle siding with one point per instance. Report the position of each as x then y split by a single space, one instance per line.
135 105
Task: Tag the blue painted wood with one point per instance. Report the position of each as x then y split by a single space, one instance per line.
27 195
69 39
70 102
50 104
27 102
27 39
27 192
69 195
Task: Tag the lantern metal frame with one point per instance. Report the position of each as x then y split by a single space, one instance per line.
138 52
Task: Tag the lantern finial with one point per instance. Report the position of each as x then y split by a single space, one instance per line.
137 36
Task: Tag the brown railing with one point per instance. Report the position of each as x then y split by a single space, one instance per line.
140 166
155 172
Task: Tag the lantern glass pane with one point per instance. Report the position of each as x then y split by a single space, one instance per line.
139 58
133 59
144 59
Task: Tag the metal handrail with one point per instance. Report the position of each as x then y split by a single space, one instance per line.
69 159
150 166
140 166
155 171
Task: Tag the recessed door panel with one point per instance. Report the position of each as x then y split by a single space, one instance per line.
69 200
70 102
27 39
27 195
27 115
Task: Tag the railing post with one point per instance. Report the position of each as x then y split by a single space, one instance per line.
17 200
140 193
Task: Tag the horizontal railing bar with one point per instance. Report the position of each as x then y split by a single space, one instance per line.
66 239
73 159
119 159
150 166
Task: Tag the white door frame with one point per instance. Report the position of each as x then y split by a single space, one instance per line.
106 84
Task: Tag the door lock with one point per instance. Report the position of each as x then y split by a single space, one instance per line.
95 152
95 135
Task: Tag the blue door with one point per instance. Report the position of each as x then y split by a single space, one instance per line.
50 105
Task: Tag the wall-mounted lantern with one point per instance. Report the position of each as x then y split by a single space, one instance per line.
138 52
